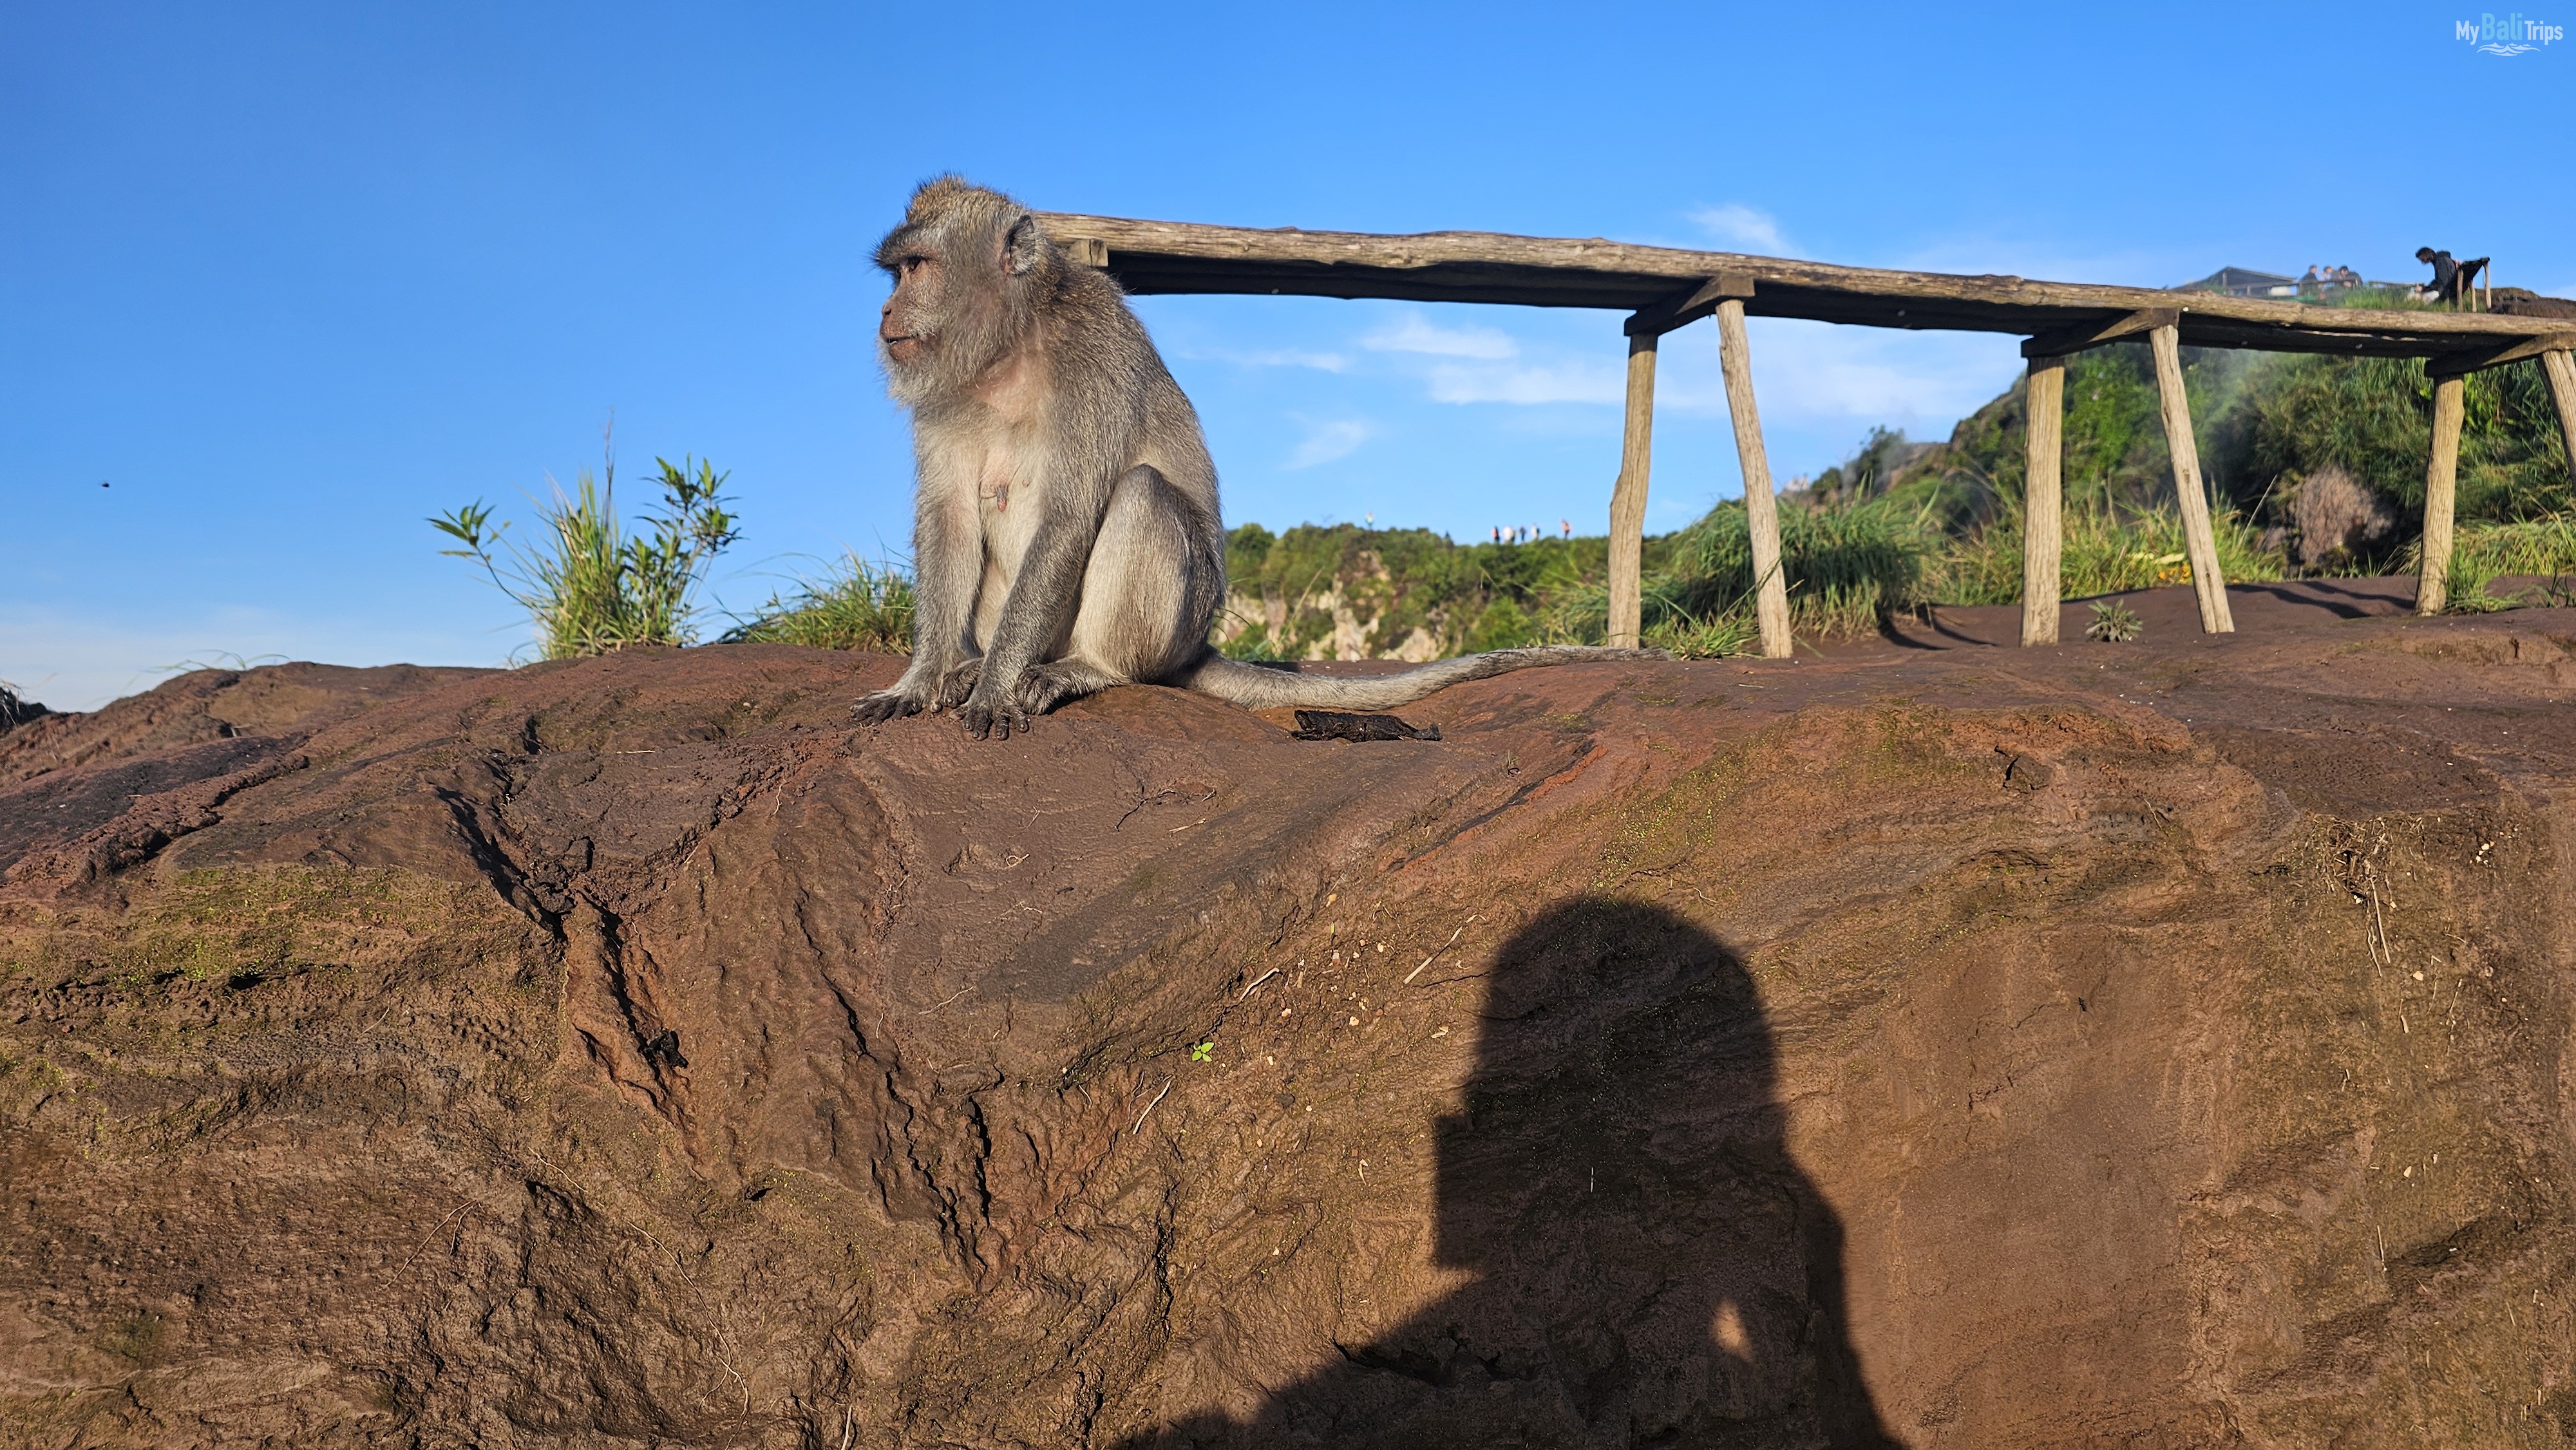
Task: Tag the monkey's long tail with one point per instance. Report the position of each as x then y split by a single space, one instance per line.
1261 687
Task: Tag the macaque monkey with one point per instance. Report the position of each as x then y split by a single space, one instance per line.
1066 535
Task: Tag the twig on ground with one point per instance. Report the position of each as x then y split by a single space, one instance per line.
1150 1107
1444 946
926 1011
1257 981
436 1228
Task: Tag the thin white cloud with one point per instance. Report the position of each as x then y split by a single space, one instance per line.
1329 440
1817 372
1418 334
1528 384
1742 226
1974 255
1282 357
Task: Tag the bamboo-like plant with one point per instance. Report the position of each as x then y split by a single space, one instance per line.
588 586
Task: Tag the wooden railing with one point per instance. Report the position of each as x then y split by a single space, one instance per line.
1664 288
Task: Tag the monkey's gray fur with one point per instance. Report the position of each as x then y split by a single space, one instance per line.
1066 535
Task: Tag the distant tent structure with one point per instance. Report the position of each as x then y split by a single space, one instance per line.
2244 282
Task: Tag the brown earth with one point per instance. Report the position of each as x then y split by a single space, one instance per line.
2164 1044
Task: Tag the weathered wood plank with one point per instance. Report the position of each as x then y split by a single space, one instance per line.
1761 510
2042 511
2441 484
1628 497
2200 545
2067 340
1179 257
2497 353
1690 307
2560 366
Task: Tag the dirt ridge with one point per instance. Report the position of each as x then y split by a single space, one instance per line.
2159 1044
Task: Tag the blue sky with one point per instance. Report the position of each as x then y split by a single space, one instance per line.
291 278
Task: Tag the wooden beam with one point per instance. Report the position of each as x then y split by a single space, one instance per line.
2560 365
1628 498
2441 484
2199 544
1761 510
2082 335
1089 251
2497 353
1688 307
2042 513
1174 257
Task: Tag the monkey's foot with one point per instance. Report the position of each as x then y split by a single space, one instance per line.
992 714
1043 687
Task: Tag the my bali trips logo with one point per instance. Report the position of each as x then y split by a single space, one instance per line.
2507 34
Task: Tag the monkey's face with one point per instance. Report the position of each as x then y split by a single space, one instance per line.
965 265
907 325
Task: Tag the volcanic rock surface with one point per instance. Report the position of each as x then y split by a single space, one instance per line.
2158 1044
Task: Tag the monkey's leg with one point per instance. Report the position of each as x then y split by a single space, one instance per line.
948 561
1135 618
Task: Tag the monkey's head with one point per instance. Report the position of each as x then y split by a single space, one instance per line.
969 266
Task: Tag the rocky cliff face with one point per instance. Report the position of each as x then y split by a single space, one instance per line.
1979 1048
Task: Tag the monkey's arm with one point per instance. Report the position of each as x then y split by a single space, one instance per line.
947 563
1042 603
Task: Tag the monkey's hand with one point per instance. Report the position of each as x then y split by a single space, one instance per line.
957 684
992 714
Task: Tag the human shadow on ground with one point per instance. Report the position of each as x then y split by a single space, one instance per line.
1652 1267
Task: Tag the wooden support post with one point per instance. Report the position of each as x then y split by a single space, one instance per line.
2199 545
2441 481
1628 499
2042 511
2560 365
1761 510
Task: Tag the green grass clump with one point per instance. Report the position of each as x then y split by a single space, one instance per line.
856 606
2483 552
2106 550
2114 623
2545 546
588 585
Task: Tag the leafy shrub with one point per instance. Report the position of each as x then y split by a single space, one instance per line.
588 585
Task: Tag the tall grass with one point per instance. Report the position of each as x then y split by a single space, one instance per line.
1847 565
856 606
17 709
2483 552
2106 550
589 586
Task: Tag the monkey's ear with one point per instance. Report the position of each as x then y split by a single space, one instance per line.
1021 246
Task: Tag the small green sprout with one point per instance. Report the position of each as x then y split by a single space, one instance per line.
1200 1052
